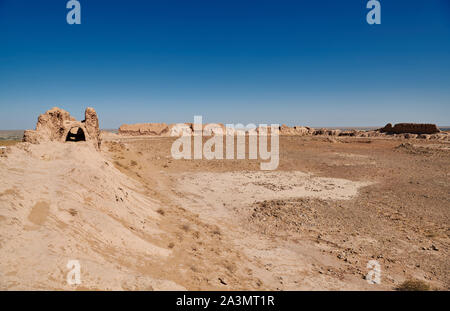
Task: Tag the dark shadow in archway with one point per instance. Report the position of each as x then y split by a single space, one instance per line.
76 135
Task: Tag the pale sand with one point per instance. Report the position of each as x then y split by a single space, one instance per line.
225 199
65 201
136 219
213 191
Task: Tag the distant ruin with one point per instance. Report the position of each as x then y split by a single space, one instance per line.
401 130
58 125
411 128
152 129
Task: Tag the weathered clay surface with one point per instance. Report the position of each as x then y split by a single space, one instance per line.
58 125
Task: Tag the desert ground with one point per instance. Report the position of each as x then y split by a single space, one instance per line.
136 219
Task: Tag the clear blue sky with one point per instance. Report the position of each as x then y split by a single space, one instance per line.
314 63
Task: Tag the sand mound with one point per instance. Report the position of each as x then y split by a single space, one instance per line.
427 150
293 215
61 202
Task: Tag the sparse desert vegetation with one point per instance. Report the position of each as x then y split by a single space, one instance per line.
414 285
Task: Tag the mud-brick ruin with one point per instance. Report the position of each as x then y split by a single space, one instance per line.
58 125
413 128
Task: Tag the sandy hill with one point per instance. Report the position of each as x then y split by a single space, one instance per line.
61 202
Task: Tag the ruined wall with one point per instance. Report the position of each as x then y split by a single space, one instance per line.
180 129
92 124
401 130
152 129
56 124
411 128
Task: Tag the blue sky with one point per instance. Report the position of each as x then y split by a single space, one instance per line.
315 63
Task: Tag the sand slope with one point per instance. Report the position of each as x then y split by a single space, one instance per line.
61 202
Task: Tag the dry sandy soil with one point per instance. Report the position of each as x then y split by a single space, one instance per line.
137 219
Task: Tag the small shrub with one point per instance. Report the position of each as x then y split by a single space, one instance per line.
185 227
413 285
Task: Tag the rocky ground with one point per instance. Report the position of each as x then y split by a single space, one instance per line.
138 219
386 199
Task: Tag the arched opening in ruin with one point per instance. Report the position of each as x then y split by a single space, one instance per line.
76 134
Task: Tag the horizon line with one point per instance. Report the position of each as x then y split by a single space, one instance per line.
327 127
